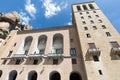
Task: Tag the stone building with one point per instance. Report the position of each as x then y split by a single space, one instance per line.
87 50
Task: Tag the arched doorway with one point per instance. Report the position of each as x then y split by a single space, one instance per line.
32 75
55 76
75 76
12 75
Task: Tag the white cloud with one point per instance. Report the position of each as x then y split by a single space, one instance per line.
69 23
24 18
51 8
30 8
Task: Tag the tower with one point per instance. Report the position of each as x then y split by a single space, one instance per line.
99 42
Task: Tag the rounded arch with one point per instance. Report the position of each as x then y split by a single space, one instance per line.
32 75
1 73
91 6
27 43
12 75
75 76
54 76
58 43
42 42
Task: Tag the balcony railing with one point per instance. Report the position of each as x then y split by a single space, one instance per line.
35 56
19 56
93 51
115 51
54 55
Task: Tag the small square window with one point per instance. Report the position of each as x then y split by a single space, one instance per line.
103 26
91 21
85 28
71 40
97 16
87 12
55 61
95 58
89 16
100 21
35 61
88 35
17 61
108 34
82 17
94 28
74 61
100 72
94 11
80 13
83 22
14 44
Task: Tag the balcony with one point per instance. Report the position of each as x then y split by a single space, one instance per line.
34 56
20 56
93 51
115 51
7 57
54 55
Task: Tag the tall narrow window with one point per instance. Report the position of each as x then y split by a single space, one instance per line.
10 52
17 61
88 35
85 7
114 44
73 52
91 6
108 34
100 72
95 58
78 8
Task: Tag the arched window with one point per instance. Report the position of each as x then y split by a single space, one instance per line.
58 44
91 6
12 75
27 43
0 73
75 76
55 76
42 44
85 7
32 75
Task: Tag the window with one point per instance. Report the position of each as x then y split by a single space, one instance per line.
85 7
71 40
59 51
89 16
91 45
94 11
73 52
91 6
100 21
103 26
35 61
94 28
78 8
114 44
88 35
95 58
100 72
80 13
97 16
41 51
86 28
17 61
4 62
74 61
82 17
14 44
91 21
83 22
87 12
10 52
55 61
108 34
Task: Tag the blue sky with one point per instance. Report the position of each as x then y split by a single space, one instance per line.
52 13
